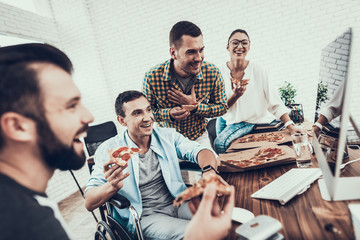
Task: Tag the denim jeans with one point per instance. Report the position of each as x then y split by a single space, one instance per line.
228 133
168 223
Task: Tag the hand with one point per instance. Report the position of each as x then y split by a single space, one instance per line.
177 113
292 129
316 130
238 89
213 172
209 222
180 98
114 175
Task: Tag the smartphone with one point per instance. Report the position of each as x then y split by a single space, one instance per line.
261 227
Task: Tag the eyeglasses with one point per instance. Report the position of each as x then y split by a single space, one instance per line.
235 43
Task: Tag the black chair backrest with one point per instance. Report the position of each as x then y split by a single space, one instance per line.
211 128
98 134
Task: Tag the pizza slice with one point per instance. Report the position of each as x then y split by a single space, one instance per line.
198 188
261 157
269 154
189 107
277 137
122 155
243 82
249 138
268 137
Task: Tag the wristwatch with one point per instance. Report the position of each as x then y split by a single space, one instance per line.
208 168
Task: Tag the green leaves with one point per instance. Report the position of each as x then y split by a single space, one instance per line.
287 93
321 94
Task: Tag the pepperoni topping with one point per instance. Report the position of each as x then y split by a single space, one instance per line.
119 150
126 157
135 149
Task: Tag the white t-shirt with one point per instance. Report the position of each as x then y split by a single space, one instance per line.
259 99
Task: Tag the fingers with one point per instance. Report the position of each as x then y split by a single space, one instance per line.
114 170
178 113
194 205
174 99
193 90
207 201
229 205
216 210
114 179
174 94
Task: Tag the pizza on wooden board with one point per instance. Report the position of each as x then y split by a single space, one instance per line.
122 155
198 188
262 156
267 137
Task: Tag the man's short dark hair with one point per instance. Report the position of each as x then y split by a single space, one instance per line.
125 97
180 29
19 87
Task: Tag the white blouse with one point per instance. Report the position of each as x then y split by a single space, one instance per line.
259 99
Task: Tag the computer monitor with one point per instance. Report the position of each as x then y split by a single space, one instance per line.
332 186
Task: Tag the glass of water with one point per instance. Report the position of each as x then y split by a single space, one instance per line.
303 149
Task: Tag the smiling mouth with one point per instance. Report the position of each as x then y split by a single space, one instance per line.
146 125
195 65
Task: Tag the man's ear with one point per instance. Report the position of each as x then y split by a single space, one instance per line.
172 52
121 120
17 127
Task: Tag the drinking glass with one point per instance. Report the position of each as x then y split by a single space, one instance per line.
303 150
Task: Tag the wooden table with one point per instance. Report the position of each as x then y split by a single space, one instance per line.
303 217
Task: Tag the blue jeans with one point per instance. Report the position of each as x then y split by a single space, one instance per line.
168 223
228 133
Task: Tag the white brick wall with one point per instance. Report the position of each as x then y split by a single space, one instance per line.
113 43
287 36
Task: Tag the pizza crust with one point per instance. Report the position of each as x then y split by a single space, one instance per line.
222 187
189 107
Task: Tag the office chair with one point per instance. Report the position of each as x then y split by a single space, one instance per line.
108 227
211 128
98 134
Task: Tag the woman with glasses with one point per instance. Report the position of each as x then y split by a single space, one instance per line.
250 95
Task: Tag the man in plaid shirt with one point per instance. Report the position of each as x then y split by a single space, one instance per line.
186 79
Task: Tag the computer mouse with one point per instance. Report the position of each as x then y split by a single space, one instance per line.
242 215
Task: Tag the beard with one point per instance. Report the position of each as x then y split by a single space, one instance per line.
56 154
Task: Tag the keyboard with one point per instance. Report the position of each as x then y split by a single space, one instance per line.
293 182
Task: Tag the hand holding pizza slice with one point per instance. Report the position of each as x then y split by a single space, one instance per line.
198 188
190 107
243 82
122 155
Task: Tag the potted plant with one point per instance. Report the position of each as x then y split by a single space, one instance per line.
287 94
321 97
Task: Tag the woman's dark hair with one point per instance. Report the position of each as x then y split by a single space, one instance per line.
238 31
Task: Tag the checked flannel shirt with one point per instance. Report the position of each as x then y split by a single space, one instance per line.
209 86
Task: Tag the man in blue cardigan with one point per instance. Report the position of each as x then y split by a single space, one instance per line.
151 179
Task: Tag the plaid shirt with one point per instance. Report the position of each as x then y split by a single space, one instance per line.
209 85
